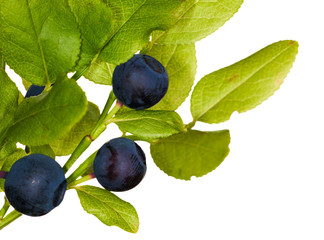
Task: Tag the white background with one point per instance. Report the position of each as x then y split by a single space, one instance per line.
271 186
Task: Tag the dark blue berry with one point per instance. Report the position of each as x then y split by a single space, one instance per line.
35 185
119 164
34 90
141 82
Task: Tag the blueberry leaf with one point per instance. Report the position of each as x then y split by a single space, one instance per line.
134 22
8 102
149 124
39 39
180 63
66 144
7 162
43 119
95 21
100 72
193 153
108 208
243 85
43 149
198 19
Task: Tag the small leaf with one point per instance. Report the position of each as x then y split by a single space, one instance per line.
181 64
199 18
7 162
96 23
8 102
149 124
66 144
43 149
244 85
134 22
39 39
108 208
43 119
192 153
100 72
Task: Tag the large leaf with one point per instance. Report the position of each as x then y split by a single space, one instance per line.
39 38
8 102
108 208
7 162
149 124
244 85
100 72
180 62
95 22
43 119
199 19
134 22
192 153
66 144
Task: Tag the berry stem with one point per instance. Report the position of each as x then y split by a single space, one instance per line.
82 168
12 216
98 129
4 208
3 174
81 180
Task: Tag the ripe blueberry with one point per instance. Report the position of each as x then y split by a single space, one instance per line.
34 90
35 185
119 164
141 82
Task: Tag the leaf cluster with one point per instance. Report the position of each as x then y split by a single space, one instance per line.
44 40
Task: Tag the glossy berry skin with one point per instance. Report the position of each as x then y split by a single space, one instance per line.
35 185
119 164
34 90
141 82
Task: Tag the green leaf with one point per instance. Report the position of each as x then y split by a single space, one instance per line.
134 22
108 208
26 84
66 144
8 102
149 124
43 119
199 18
43 149
192 153
181 64
100 72
96 23
11 159
39 38
244 85
7 162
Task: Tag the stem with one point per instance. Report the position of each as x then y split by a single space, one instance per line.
83 145
79 74
98 129
191 125
82 168
81 180
3 174
4 209
12 216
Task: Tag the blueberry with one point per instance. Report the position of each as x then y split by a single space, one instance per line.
141 82
34 90
35 185
119 164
